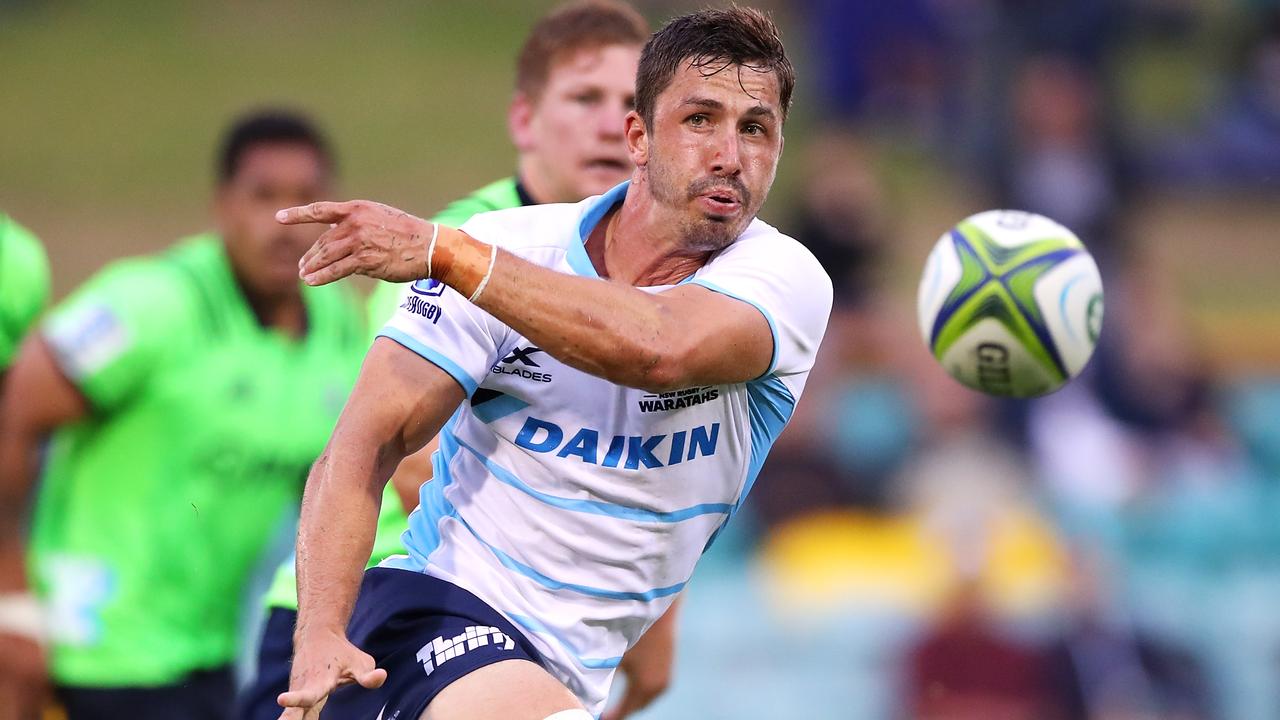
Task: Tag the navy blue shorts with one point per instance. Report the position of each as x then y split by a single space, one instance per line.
257 701
426 633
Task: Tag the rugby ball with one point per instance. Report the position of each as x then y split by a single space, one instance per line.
1010 303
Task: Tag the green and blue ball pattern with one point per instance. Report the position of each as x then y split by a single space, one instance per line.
1011 303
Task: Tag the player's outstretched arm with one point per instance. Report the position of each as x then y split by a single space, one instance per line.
398 404
36 399
684 337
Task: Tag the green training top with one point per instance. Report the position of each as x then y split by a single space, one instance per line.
24 285
392 519
156 508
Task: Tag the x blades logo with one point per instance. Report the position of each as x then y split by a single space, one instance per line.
518 362
522 355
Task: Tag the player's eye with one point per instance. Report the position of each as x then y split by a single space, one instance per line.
587 98
697 120
753 129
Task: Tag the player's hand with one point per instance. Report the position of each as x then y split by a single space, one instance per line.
24 678
364 238
323 662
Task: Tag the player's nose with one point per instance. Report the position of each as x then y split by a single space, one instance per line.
726 158
611 121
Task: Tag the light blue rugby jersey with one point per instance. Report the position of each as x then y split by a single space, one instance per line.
574 506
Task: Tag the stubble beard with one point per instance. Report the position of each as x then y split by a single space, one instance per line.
697 234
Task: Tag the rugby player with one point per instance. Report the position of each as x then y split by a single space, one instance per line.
24 284
186 393
24 291
575 83
563 516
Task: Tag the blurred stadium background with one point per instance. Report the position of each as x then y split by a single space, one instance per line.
912 549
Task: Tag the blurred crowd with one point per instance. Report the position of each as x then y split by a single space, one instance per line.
1108 551
916 550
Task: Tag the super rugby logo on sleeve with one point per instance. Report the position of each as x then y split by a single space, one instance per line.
429 287
89 338
415 303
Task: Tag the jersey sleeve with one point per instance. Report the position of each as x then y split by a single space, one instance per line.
386 296
109 335
24 286
779 277
438 323
444 328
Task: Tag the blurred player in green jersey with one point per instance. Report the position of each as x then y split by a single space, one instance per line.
24 291
186 393
24 285
575 83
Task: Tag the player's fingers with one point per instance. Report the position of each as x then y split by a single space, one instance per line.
332 247
326 212
360 668
372 678
304 697
326 274
310 713
334 244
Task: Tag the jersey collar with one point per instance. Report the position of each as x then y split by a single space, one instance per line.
596 209
523 195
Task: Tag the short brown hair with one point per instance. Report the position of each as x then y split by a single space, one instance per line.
573 26
712 40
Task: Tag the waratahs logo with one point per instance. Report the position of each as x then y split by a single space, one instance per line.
430 287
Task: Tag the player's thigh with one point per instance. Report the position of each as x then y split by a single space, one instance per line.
511 689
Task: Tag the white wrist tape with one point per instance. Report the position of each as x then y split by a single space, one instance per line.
431 249
484 282
21 614
570 715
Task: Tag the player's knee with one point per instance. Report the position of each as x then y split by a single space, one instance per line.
578 714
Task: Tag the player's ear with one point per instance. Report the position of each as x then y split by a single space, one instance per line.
520 122
637 139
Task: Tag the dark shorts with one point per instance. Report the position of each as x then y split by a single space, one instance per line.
202 695
257 701
426 633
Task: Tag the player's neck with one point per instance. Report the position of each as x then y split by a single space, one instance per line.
537 187
286 314
284 311
631 244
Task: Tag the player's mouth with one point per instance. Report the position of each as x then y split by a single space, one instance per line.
720 202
